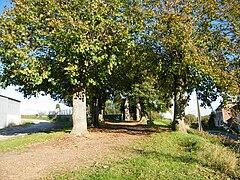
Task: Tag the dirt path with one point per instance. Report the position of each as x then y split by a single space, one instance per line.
68 152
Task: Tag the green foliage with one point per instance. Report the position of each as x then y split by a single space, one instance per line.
211 123
205 120
190 118
112 107
58 106
167 156
54 48
62 123
155 115
196 47
149 51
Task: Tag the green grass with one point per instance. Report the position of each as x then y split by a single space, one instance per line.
162 122
167 155
22 142
34 117
27 124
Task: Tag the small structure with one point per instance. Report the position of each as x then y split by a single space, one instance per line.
225 114
9 111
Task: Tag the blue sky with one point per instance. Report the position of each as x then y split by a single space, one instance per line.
45 103
4 3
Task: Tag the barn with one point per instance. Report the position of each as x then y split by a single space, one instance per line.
9 111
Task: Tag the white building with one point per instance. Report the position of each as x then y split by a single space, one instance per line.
9 112
224 115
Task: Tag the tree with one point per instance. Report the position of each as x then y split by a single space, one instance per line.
197 47
190 118
63 47
211 121
205 120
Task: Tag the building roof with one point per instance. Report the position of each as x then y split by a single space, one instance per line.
10 98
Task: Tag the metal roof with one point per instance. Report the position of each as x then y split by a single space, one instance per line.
9 98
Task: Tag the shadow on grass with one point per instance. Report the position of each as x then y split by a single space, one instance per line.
133 128
130 127
185 158
65 125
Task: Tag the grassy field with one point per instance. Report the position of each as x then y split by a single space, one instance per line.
168 155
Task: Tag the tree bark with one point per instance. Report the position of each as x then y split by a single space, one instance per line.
79 113
138 112
127 116
199 114
180 102
95 110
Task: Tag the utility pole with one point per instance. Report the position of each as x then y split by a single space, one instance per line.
199 114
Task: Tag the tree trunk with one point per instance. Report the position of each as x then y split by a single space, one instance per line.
95 112
138 112
127 116
79 113
199 114
180 102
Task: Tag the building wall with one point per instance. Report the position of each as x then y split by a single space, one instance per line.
3 112
9 112
219 118
14 116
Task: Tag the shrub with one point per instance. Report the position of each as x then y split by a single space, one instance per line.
211 123
190 118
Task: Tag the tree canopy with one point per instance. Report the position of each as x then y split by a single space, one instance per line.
62 47
72 48
197 47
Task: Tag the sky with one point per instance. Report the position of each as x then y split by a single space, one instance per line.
4 3
46 104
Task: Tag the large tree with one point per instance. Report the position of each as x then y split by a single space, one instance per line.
62 47
197 47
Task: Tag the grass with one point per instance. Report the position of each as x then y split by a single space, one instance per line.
167 155
162 122
22 142
34 117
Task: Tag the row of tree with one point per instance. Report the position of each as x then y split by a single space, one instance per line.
149 51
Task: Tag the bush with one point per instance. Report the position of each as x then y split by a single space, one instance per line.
190 118
211 123
205 120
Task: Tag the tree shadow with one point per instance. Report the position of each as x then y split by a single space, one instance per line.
185 158
133 128
64 125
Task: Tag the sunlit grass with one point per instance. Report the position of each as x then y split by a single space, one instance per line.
20 142
25 141
167 155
